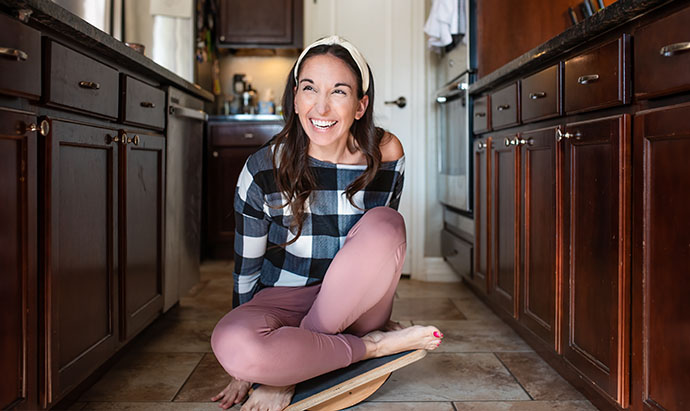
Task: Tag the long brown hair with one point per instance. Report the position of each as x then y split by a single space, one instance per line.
291 146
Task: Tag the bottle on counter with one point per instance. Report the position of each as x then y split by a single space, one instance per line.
266 105
249 100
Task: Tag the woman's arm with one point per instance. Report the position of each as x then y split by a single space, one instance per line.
251 234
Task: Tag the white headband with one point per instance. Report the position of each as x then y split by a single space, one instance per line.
356 56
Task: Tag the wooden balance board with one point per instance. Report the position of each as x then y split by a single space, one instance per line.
348 386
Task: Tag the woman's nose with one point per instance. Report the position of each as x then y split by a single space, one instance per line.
322 105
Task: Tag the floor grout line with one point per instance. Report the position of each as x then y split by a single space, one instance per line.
187 379
514 377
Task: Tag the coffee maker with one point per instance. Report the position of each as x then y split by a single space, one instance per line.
244 96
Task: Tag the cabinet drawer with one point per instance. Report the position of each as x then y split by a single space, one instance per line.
80 82
20 58
457 252
599 78
658 69
243 134
482 114
541 95
504 107
142 104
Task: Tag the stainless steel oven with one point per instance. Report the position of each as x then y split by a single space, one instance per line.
454 145
455 174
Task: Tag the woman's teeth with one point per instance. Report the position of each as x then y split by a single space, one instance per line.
323 124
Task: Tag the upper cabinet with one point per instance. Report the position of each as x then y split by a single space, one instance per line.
260 24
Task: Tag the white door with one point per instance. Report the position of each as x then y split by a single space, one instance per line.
389 34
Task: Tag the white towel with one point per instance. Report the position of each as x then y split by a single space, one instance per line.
446 17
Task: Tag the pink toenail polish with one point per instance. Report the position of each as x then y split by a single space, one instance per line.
436 334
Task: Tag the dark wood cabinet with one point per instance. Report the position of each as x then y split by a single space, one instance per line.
504 107
142 183
661 259
596 296
482 214
505 186
18 258
20 59
229 146
260 23
540 95
540 234
80 244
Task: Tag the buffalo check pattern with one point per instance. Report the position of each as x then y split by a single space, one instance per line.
262 225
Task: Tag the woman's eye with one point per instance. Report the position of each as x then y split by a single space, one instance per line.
307 88
340 92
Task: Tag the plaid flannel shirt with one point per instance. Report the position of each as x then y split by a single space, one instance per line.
261 225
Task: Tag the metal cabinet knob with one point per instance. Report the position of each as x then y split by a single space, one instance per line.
561 135
112 139
481 146
507 141
42 128
248 135
215 154
134 140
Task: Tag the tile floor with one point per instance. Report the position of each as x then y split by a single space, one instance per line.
481 365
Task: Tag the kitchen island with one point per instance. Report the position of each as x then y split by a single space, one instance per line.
84 145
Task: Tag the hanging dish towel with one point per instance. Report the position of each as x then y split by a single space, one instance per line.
446 18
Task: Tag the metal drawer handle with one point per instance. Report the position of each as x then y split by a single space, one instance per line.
535 96
110 139
480 114
14 53
673 49
90 85
481 146
522 141
503 107
147 104
591 78
43 128
248 135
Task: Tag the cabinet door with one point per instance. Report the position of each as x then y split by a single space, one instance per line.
224 167
18 260
260 22
505 175
596 278
482 213
80 249
661 260
142 162
540 234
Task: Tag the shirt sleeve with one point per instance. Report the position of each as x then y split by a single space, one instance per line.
251 234
397 185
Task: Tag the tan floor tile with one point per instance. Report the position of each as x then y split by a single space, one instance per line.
155 406
190 310
167 335
421 289
403 406
525 406
207 380
538 378
474 309
425 309
452 377
142 376
477 336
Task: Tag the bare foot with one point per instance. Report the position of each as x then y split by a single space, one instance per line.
267 398
380 343
392 326
233 393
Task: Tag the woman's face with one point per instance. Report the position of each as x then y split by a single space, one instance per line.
326 100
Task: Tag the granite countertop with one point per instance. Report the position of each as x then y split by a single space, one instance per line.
620 12
245 117
45 13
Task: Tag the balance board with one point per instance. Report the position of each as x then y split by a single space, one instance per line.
348 386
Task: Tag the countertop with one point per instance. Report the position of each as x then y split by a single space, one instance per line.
245 117
45 13
620 12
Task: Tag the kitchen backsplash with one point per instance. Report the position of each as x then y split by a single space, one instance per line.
264 73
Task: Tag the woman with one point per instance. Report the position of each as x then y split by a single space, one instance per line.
319 245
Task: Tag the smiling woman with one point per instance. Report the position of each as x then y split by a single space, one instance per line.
319 245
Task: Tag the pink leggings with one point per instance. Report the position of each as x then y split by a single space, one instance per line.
285 335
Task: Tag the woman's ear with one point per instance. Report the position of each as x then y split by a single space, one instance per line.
362 105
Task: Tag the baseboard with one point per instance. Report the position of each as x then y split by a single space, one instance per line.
437 270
